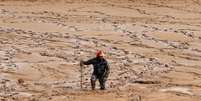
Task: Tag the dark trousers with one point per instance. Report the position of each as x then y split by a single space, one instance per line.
102 80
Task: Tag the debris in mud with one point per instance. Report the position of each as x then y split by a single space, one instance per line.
20 81
145 82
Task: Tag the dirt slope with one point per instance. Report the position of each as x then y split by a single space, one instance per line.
153 47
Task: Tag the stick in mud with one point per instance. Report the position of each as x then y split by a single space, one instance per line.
81 75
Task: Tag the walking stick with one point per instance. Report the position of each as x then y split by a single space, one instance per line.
81 74
81 66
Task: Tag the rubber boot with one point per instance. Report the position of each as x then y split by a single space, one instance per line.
102 83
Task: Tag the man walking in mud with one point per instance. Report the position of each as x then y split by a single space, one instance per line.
101 69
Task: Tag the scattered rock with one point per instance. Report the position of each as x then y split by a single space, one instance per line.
20 81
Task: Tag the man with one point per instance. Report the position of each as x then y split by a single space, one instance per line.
100 69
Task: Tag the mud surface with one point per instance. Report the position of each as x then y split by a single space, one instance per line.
153 47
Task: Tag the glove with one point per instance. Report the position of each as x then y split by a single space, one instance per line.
81 63
106 74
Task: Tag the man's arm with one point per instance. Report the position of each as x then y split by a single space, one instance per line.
89 62
107 70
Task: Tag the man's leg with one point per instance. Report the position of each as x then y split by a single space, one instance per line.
93 81
102 82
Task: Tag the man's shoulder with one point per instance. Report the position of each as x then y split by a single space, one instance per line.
105 60
93 59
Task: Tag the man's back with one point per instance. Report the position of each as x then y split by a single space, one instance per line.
100 65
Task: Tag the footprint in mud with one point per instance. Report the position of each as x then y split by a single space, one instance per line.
135 98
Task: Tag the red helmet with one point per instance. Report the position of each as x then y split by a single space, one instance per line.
99 54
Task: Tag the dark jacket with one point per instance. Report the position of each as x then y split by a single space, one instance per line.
100 65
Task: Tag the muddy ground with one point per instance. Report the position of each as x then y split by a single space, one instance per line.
153 48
